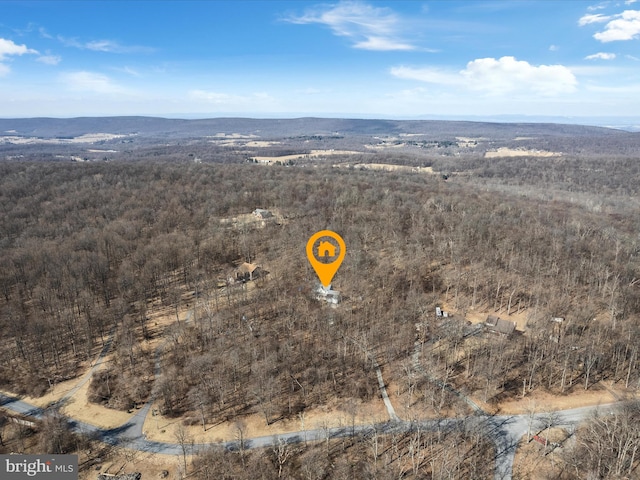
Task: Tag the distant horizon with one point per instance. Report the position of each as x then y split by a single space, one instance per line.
380 58
628 123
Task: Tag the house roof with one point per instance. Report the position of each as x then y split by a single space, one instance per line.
248 267
261 212
499 325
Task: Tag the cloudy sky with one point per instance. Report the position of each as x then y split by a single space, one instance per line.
277 58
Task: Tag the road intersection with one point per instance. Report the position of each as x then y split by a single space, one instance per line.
505 431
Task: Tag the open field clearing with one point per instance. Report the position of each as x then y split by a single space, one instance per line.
386 145
237 136
479 315
86 138
242 142
510 152
261 143
312 154
386 167
469 142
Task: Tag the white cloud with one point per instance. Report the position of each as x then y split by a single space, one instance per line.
129 71
622 26
382 44
90 82
113 47
497 77
49 59
8 48
368 27
508 74
554 48
109 46
102 46
601 56
593 18
600 6
43 33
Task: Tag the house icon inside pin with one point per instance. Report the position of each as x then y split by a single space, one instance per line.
326 249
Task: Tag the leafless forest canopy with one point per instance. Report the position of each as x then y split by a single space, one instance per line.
90 249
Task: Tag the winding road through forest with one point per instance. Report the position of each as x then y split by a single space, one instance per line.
504 430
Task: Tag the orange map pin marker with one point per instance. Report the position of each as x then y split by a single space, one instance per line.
325 251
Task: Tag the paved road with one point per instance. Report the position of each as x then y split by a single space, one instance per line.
505 431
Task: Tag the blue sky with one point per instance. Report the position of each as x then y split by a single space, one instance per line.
400 59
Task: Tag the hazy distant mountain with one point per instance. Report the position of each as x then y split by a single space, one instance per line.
269 128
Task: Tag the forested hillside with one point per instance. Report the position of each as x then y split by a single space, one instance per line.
270 128
87 248
91 251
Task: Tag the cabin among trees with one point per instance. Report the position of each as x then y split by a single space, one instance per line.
498 325
262 214
248 272
330 296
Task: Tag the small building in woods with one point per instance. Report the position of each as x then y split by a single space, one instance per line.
498 325
262 214
328 295
248 272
